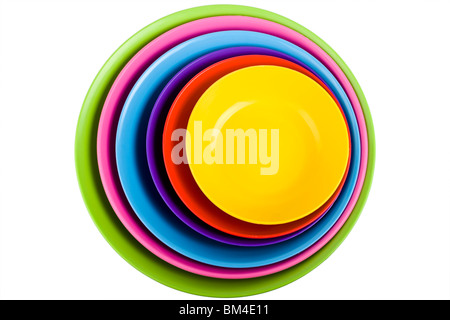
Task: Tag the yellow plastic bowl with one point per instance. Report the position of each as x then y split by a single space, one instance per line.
267 144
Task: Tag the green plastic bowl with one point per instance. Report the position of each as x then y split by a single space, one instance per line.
105 218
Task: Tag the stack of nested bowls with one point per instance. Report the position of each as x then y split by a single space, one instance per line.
225 151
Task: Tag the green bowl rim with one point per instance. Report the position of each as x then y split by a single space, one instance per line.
105 218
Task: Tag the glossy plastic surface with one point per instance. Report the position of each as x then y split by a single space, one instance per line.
180 176
267 144
183 277
136 180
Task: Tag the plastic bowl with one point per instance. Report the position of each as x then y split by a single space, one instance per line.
268 144
182 276
180 175
136 180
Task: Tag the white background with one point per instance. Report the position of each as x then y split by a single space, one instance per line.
50 52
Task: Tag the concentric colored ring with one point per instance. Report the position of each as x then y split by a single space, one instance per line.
180 176
304 127
136 181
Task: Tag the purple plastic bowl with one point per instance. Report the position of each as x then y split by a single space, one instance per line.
154 146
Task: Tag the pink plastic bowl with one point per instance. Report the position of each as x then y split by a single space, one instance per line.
115 101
